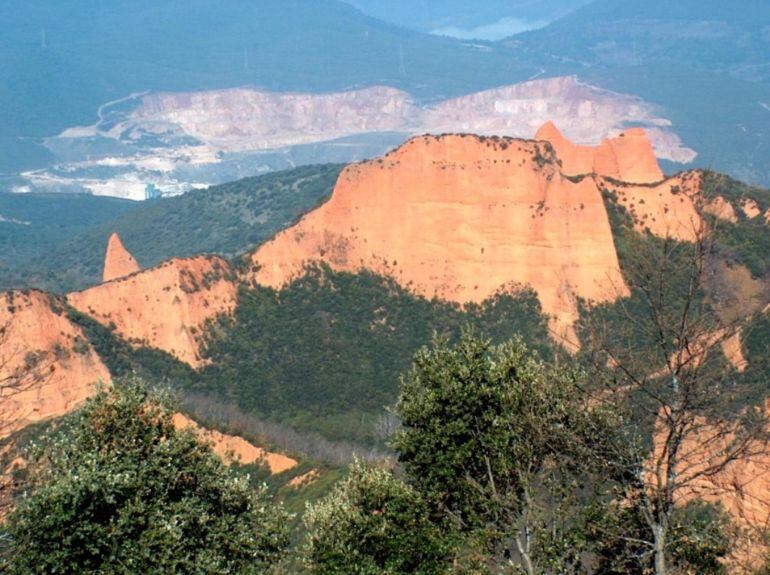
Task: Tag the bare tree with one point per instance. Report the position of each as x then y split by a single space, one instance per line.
662 355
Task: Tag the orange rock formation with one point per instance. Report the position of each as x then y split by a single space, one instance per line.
165 307
118 262
305 479
460 217
666 209
47 366
750 208
721 208
628 158
233 449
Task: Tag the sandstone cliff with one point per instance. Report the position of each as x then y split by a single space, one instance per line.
628 157
626 166
165 307
118 262
460 217
47 366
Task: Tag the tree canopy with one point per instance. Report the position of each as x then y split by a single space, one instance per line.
119 490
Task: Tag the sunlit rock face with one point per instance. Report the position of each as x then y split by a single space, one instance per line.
165 307
235 449
47 365
118 262
460 218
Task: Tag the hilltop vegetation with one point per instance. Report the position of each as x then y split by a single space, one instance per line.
504 463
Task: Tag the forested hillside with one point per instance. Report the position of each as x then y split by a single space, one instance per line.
63 247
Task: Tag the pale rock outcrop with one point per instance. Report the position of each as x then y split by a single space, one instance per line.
165 307
233 449
47 365
460 218
118 262
241 119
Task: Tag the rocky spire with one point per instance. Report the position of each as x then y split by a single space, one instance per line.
118 262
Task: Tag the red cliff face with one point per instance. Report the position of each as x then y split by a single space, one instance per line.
118 262
461 217
165 307
627 167
47 366
628 158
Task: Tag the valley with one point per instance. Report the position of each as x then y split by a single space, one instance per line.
354 287
527 234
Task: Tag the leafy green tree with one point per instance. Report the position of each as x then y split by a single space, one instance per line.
501 446
118 490
373 524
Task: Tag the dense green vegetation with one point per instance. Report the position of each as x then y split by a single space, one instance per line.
64 247
506 466
326 351
323 354
372 524
33 226
117 489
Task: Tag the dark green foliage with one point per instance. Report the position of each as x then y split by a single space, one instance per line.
122 359
748 240
31 224
503 446
374 524
227 219
326 351
119 490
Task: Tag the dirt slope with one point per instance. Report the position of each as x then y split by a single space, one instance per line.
47 366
